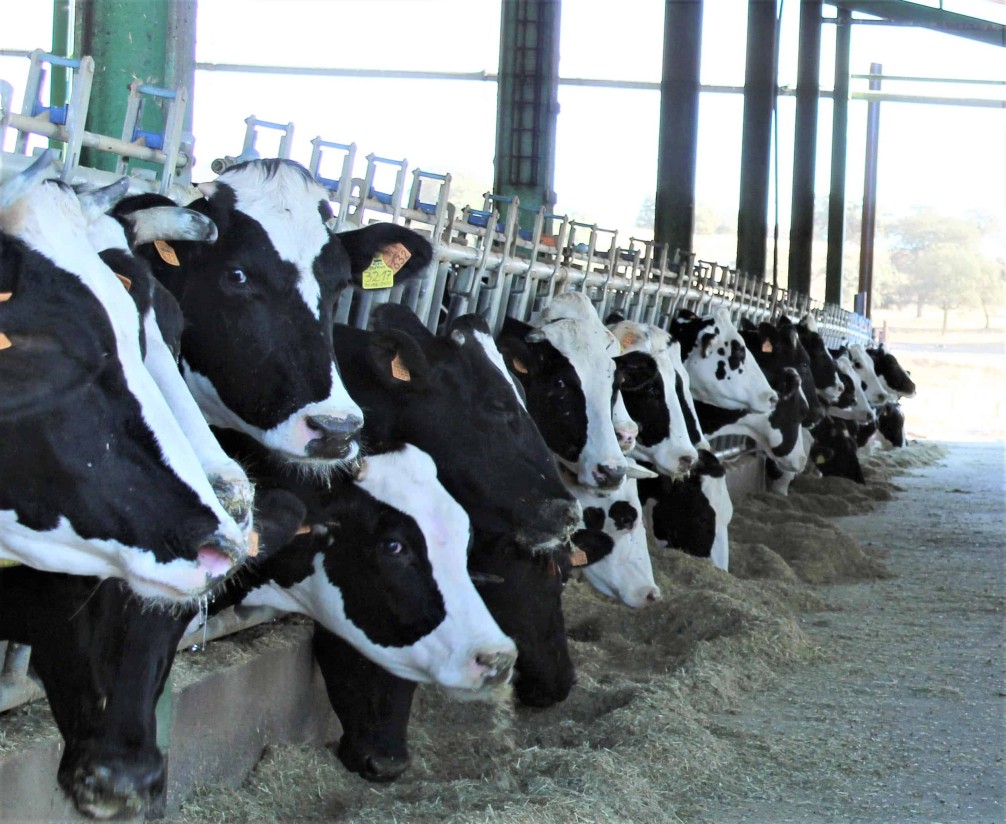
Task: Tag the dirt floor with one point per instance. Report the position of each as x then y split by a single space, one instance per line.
873 694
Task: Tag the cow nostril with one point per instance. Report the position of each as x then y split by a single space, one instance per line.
328 426
609 476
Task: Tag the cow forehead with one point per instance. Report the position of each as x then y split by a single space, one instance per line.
581 342
496 359
570 306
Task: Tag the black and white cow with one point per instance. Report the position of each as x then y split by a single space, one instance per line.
98 477
826 377
834 451
893 377
258 305
452 396
716 358
384 566
891 425
568 375
860 409
863 372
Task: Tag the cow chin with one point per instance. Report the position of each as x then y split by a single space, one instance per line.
496 694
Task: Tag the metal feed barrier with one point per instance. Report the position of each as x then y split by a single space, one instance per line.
498 258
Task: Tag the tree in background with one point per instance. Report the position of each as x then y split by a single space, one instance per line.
941 262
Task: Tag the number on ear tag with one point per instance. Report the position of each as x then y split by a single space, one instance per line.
399 369
578 557
386 263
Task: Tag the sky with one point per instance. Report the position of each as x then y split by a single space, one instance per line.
949 159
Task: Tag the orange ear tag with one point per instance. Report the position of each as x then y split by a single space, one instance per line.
126 282
578 557
167 253
766 346
304 530
5 296
5 342
381 272
518 366
399 370
253 545
629 339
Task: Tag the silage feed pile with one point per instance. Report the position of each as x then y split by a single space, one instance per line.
637 740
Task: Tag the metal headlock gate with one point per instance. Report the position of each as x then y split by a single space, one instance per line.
483 260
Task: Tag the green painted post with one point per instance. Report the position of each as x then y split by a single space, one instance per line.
129 39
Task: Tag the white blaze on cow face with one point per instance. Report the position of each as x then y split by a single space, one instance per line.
626 429
716 492
572 326
863 366
49 220
674 453
496 359
626 573
467 650
722 373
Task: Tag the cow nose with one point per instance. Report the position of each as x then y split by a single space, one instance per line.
381 769
495 665
773 399
645 596
685 462
609 475
335 435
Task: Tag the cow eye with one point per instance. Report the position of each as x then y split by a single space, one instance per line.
560 383
393 547
235 277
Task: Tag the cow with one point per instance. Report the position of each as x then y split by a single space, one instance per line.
863 372
625 572
568 376
653 390
99 479
891 425
826 378
893 378
452 396
834 451
854 404
258 305
715 356
383 565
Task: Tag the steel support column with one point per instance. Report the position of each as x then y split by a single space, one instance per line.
865 296
808 87
528 106
756 141
839 141
152 40
677 148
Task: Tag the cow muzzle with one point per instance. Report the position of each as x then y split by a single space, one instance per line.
336 438
609 475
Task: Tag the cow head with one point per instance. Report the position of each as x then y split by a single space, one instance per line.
777 348
385 567
717 361
653 386
892 376
859 409
862 363
258 304
568 376
826 377
834 451
99 479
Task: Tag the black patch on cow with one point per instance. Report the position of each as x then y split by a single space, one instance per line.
713 418
721 352
738 353
623 514
891 423
694 433
721 370
685 329
681 515
834 451
790 410
593 517
642 390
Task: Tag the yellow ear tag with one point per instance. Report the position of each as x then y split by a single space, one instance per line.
518 366
5 296
5 342
399 369
766 346
126 282
4 563
166 252
820 460
253 545
381 272
578 557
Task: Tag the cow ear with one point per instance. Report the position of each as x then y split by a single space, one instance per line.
613 319
279 515
398 360
706 343
747 325
383 254
590 546
517 354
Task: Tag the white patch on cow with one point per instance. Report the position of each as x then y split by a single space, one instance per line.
290 437
407 480
572 326
861 411
61 549
674 454
743 388
718 495
286 206
50 221
627 572
496 358
626 429
863 365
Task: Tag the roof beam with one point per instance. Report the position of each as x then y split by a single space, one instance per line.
948 22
